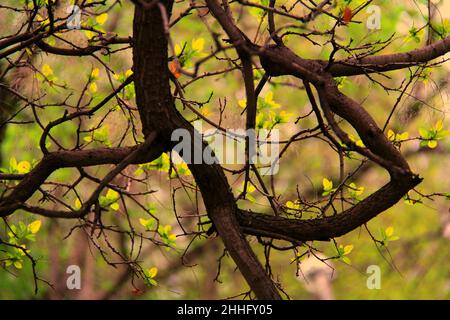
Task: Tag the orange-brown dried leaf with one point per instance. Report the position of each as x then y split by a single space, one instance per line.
347 15
175 68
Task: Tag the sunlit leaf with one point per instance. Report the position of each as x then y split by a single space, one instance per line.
357 142
94 74
432 144
423 133
46 70
23 167
177 49
77 204
268 99
93 87
89 34
101 19
152 272
12 164
402 136
346 260
391 135
147 223
439 125
348 249
327 184
198 44
242 103
34 226
389 231
112 195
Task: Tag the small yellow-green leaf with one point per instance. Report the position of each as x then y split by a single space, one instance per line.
389 231
18 264
391 135
101 19
23 167
152 272
292 205
22 252
360 143
348 249
197 44
327 184
89 34
439 125
356 191
402 136
77 204
114 206
432 144
359 191
112 194
172 237
13 163
34 226
93 87
128 73
46 70
167 228
143 222
177 49
346 260
95 73
423 132
269 100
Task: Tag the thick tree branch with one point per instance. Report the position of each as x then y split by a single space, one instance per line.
388 62
66 159
279 60
325 228
275 59
158 112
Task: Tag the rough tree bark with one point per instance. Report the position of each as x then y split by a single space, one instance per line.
158 113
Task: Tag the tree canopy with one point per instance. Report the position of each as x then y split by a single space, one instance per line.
303 122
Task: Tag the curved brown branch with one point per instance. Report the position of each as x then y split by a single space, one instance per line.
388 62
325 228
66 159
279 60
